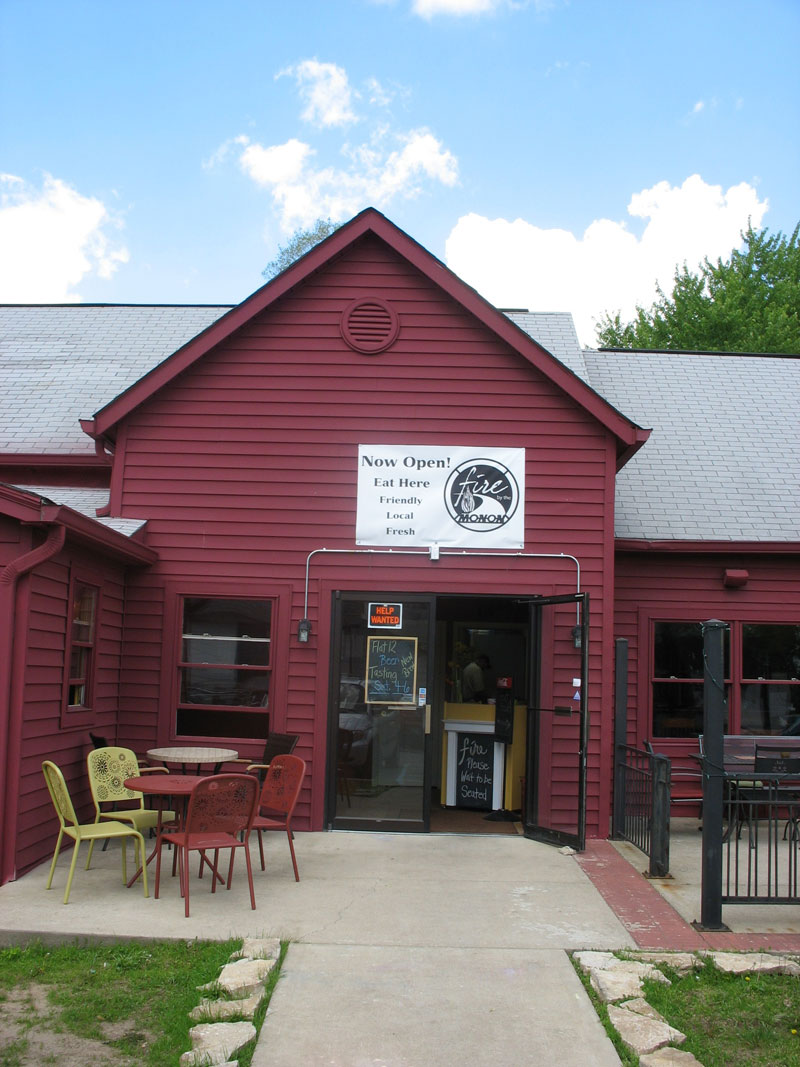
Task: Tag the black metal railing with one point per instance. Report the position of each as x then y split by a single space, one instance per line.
761 841
641 805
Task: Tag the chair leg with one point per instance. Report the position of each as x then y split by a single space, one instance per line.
294 858
142 860
261 849
72 869
158 868
185 869
55 858
249 874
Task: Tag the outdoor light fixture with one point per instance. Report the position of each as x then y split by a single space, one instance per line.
576 636
304 631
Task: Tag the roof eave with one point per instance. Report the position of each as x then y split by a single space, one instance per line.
632 544
32 510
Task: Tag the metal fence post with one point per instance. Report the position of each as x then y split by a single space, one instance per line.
620 734
714 704
659 828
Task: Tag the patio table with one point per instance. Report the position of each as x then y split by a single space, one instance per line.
185 754
175 786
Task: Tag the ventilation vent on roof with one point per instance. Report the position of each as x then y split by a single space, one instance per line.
369 325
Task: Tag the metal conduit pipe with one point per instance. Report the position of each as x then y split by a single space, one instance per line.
435 553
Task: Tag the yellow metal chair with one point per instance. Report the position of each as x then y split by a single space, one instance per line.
70 826
108 768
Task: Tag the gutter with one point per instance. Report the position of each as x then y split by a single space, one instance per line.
11 666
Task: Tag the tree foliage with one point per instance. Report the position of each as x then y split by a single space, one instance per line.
748 303
299 243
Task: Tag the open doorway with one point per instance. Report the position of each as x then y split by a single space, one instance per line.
436 706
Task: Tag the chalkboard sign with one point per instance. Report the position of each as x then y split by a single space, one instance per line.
391 670
474 770
504 716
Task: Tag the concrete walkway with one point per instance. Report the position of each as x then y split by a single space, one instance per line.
409 949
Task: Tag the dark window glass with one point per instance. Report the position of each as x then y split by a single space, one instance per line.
678 650
678 709
771 651
225 665
81 651
678 679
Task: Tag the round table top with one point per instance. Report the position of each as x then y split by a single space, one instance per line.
190 754
168 785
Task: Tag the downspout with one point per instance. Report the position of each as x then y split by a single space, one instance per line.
10 652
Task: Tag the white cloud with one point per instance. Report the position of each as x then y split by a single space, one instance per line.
326 91
608 268
50 239
390 166
428 9
280 164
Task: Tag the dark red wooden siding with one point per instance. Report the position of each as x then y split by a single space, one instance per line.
43 620
689 587
247 463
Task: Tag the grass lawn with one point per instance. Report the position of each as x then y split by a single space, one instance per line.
729 1020
733 1020
126 1003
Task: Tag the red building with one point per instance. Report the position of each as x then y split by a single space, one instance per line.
310 512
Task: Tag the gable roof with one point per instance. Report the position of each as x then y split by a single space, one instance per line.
723 460
630 437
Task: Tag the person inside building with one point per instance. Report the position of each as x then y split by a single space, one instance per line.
473 680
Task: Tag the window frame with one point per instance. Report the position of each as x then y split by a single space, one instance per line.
78 715
272 597
734 678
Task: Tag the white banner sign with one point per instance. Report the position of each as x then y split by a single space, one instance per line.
453 497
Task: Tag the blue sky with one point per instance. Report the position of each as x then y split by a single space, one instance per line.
560 156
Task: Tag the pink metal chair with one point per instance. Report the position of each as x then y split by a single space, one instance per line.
276 805
219 816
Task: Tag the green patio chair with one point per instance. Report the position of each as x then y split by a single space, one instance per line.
69 825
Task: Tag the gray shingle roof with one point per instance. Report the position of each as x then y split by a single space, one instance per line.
85 502
723 459
555 331
721 463
59 364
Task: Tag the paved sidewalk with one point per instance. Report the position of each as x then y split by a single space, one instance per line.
409 949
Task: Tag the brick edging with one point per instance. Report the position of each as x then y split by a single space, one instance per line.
651 921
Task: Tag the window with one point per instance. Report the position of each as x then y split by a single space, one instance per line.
770 688
81 646
224 667
762 678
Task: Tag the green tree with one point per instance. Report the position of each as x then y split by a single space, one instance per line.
299 243
748 303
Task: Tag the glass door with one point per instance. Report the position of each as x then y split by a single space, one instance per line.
380 712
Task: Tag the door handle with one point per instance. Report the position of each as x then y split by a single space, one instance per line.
427 718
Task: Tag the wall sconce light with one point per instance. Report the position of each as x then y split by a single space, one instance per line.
304 631
576 636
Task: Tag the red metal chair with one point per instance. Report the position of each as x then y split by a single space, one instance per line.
220 815
279 795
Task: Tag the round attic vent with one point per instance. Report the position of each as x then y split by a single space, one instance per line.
369 325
